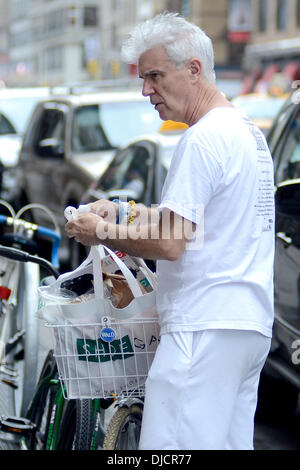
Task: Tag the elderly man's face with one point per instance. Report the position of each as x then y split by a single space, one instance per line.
167 87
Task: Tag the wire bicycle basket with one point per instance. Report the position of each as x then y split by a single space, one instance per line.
107 359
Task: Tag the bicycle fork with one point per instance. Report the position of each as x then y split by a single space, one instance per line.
55 418
98 430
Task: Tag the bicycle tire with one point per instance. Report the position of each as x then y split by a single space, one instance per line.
77 425
84 424
40 410
123 430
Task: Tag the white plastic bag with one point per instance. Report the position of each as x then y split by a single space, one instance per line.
102 350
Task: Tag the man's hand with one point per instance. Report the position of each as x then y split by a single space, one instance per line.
108 210
86 229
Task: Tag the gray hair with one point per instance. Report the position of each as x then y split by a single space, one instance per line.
182 40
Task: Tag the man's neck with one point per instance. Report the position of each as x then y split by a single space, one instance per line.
208 97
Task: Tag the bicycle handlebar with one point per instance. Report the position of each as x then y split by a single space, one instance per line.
56 237
19 255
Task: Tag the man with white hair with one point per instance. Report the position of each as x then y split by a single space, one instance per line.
215 299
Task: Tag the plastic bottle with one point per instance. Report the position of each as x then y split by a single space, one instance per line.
71 213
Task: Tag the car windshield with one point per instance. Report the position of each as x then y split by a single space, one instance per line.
259 108
18 110
122 121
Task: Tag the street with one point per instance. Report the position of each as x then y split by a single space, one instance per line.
268 436
276 435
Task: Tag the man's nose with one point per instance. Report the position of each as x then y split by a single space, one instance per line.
147 88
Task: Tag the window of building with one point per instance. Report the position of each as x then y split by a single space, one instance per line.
20 38
281 14
54 22
90 16
19 9
53 58
262 19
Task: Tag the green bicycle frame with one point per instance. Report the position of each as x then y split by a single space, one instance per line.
98 430
56 414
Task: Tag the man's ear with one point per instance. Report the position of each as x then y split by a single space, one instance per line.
195 68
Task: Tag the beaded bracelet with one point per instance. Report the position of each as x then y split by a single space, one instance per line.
132 214
126 209
121 210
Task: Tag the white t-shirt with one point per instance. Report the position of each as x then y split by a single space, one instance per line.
222 164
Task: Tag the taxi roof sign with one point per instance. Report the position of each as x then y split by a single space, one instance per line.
173 126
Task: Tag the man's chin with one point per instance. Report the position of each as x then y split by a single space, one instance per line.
164 116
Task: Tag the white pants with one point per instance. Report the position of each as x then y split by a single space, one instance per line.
201 392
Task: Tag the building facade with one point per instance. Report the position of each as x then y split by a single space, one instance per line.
213 17
4 41
51 42
275 45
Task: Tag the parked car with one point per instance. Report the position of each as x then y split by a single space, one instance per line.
280 382
137 170
262 108
70 141
16 105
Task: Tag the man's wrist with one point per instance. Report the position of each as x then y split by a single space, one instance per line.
126 212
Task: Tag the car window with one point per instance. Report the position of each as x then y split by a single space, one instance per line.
6 126
87 132
278 127
128 170
137 174
289 165
114 175
51 125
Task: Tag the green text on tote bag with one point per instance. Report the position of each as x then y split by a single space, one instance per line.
100 351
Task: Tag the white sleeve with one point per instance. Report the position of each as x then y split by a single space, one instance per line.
192 180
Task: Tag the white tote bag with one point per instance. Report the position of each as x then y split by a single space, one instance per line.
103 351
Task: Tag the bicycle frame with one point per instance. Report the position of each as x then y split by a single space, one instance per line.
98 430
56 411
53 435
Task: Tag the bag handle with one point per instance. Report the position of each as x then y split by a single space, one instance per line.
98 253
88 260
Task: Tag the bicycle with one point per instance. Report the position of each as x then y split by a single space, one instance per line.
60 424
22 241
44 418
52 421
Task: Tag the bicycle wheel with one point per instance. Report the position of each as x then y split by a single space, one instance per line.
41 408
77 425
124 429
